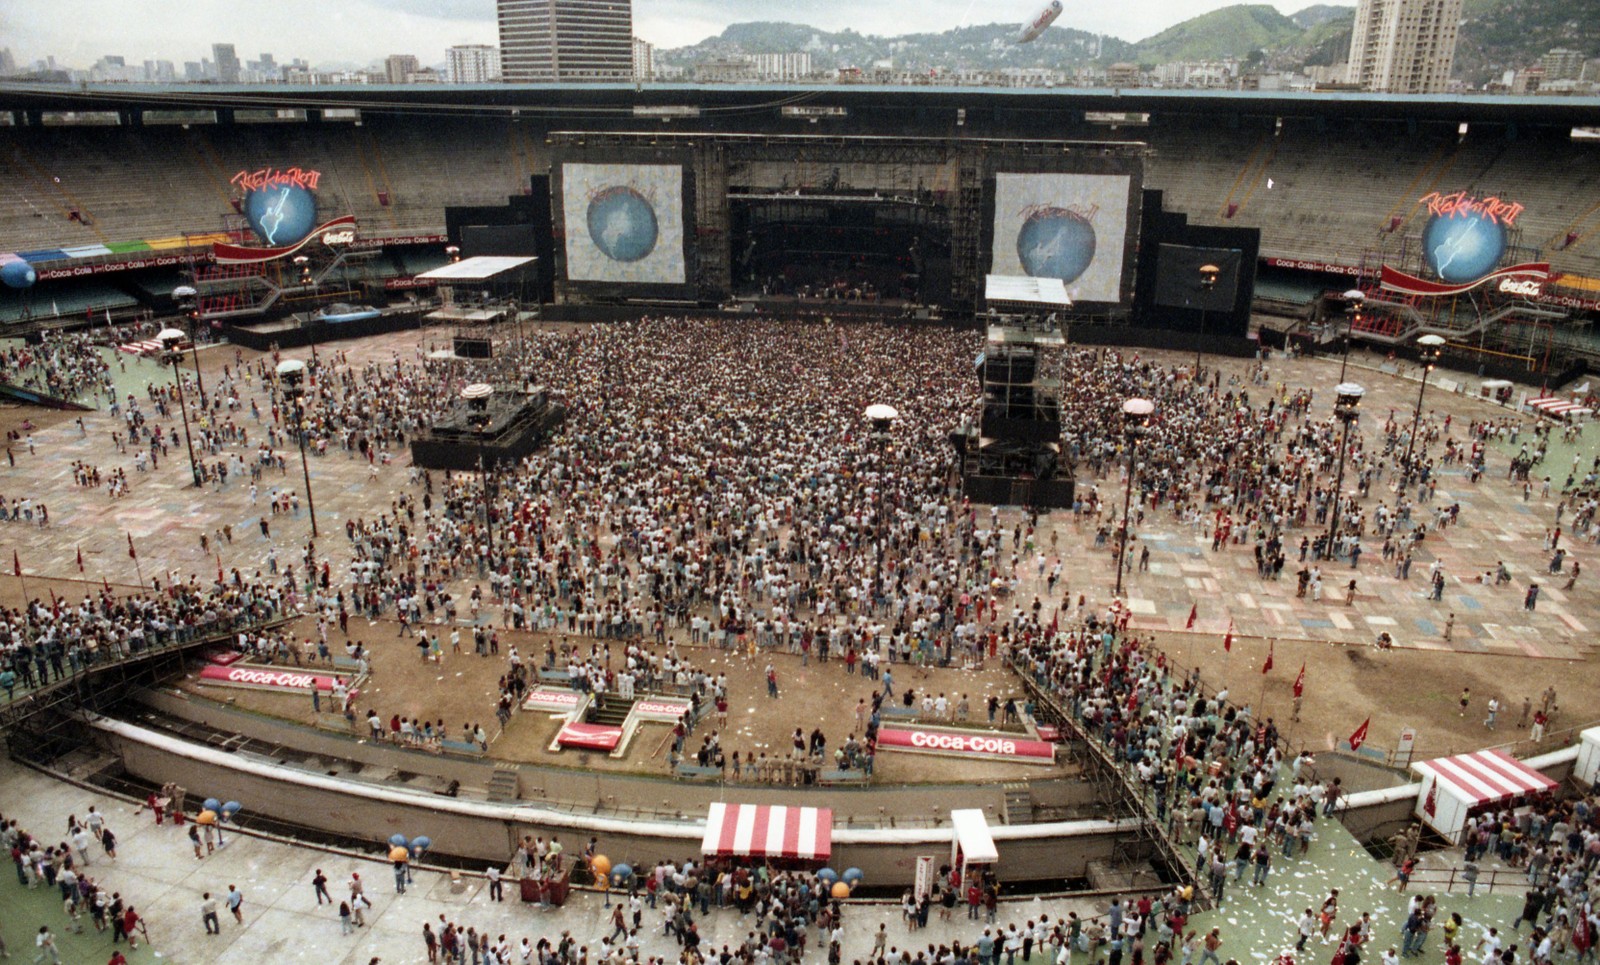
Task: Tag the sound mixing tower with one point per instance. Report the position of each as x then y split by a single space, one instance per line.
1013 456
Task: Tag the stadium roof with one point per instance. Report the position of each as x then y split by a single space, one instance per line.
556 99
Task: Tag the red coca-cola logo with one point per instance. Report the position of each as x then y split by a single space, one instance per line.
972 745
258 677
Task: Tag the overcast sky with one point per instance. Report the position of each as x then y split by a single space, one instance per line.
79 32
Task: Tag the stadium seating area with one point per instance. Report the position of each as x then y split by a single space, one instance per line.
1321 195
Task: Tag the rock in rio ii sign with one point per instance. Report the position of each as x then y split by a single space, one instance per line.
988 747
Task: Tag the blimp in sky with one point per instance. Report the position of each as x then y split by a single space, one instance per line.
1033 28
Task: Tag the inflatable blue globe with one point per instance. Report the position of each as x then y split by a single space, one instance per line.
281 214
1463 247
18 274
1055 243
622 224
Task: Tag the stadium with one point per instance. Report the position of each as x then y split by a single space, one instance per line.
625 429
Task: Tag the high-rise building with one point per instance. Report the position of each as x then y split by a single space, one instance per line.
8 63
786 66
644 59
1404 46
397 66
471 64
1562 64
227 63
565 40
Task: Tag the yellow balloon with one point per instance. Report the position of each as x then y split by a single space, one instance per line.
601 865
398 853
841 890
206 817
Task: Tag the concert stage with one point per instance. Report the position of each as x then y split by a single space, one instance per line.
304 329
520 423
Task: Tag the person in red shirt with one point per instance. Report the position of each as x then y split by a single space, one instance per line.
117 958
130 922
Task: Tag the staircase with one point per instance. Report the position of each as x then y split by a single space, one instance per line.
504 785
609 710
1018 807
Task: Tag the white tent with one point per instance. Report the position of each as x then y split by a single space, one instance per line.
1587 768
1453 787
973 844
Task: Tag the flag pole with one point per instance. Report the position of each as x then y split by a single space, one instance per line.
1261 705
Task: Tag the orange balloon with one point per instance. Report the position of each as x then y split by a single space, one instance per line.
841 890
206 817
398 853
601 865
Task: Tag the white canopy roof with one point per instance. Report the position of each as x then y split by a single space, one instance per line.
972 834
1025 290
481 268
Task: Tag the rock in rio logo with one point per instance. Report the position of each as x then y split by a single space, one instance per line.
278 202
1466 236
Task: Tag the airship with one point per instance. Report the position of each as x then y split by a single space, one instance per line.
1033 28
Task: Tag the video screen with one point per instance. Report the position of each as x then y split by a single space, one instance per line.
624 222
1066 226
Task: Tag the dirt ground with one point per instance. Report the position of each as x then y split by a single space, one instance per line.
1397 688
463 689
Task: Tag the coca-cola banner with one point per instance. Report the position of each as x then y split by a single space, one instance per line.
982 746
262 678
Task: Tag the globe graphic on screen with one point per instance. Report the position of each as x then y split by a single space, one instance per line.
281 214
1055 243
622 224
1463 247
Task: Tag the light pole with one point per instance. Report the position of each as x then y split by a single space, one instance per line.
292 374
1346 406
1135 423
477 397
1353 300
172 354
1208 281
1430 347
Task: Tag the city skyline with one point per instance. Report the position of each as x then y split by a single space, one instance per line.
80 32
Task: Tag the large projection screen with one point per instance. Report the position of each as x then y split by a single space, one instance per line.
1066 226
624 222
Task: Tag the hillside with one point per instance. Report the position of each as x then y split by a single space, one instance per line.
984 46
1495 35
1232 32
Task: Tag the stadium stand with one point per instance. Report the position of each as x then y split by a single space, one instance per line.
1319 193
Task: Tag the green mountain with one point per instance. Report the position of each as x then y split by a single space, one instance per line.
1496 35
1231 32
985 46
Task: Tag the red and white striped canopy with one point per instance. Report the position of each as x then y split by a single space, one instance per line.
1553 405
146 347
1485 777
763 831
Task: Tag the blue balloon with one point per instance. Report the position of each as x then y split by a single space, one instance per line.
853 876
420 843
621 873
399 841
828 875
18 274
230 808
212 804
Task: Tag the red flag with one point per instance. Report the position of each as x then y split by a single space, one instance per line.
1360 736
1227 639
132 554
1430 807
1300 681
80 559
1055 621
105 583
1194 611
16 564
1267 667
